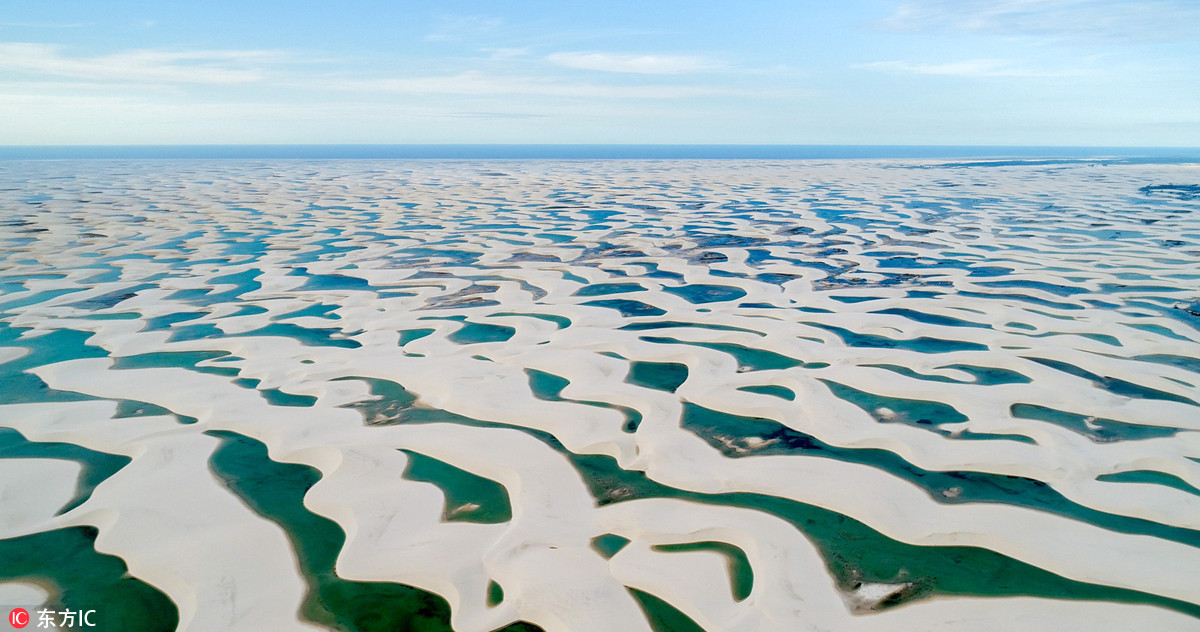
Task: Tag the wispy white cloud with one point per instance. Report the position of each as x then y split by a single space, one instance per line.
1094 20
626 63
478 83
506 52
47 68
511 116
144 66
43 25
964 68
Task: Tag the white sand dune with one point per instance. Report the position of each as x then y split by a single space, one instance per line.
999 358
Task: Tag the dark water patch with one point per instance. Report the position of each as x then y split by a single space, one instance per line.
884 260
1014 163
307 336
1094 428
601 289
109 275
409 335
557 238
628 307
193 295
336 282
1104 338
197 331
988 271
741 575
907 372
990 375
243 283
252 248
111 299
921 344
662 616
983 376
1023 298
1182 362
748 358
608 251
1188 313
770 389
459 300
570 276
736 436
855 299
663 274
14 300
326 247
855 553
495 594
671 324
703 293
549 387
1113 385
128 408
728 240
532 256
708 257
469 497
96 467
87 580
276 491
609 544
776 278
190 360
1158 329
661 376
1178 191
967 435
561 321
318 310
1141 288
931 319
1152 477
277 397
387 404
163 322
885 409
471 333
18 386
247 310
469 295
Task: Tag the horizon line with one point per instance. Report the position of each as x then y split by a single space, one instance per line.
979 145
587 151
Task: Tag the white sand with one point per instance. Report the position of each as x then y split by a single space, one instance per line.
180 530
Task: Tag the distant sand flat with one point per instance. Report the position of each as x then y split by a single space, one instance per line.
602 395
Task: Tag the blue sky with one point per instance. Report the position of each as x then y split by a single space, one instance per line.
1012 72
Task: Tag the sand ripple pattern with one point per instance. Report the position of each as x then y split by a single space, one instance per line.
616 395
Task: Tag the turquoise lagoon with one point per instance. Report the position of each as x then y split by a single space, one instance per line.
943 392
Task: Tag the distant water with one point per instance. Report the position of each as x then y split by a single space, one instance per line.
587 152
928 392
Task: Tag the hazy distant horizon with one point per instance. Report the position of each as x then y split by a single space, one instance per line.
517 151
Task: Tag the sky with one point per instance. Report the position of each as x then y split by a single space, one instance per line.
927 72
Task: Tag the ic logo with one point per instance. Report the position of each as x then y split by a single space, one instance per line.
18 618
